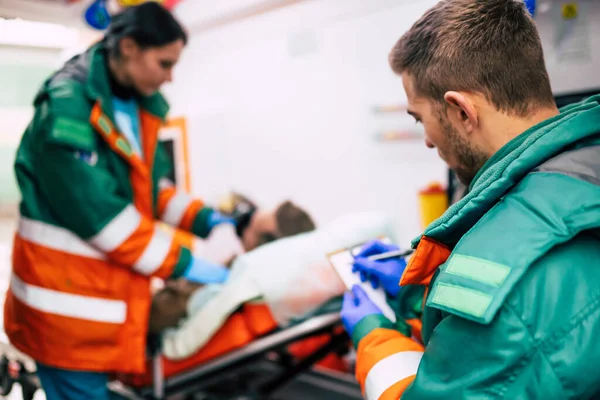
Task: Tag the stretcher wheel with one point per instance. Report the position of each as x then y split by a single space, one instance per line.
6 382
28 391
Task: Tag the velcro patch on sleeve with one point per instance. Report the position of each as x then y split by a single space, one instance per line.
461 299
73 133
470 287
477 269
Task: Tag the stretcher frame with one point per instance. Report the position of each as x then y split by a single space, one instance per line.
265 354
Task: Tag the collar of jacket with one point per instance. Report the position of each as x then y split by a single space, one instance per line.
509 165
98 88
511 217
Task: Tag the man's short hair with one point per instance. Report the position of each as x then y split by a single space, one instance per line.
292 220
491 47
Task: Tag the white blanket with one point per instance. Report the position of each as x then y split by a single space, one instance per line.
292 275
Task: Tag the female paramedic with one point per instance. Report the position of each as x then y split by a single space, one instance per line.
98 217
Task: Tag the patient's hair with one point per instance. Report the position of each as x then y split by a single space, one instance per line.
491 47
292 220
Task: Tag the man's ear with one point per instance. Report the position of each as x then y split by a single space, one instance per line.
464 109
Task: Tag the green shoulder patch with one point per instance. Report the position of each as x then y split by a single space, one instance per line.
477 269
468 287
489 261
69 108
68 98
73 133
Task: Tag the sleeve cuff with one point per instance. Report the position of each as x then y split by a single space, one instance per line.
184 263
368 324
201 227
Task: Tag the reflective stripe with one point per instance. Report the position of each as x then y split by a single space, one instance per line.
391 370
55 238
155 252
69 305
165 183
117 230
176 208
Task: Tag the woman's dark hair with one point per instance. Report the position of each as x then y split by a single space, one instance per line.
148 24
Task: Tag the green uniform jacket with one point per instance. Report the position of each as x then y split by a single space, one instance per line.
97 223
63 190
514 311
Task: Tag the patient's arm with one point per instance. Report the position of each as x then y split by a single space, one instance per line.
230 261
169 305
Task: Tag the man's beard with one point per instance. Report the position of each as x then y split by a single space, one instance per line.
470 159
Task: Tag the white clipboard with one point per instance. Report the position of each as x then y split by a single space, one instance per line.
342 261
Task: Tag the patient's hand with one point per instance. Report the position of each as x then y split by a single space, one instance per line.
182 286
169 305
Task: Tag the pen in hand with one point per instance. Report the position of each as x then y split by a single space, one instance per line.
390 254
384 256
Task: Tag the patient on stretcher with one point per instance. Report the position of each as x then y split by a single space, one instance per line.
282 282
170 305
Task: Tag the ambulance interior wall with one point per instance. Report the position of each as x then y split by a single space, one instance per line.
280 105
22 71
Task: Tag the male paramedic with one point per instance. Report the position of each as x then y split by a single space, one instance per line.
512 271
98 220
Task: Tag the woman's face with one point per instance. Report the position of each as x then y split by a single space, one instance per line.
148 69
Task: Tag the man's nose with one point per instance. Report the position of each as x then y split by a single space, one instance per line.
429 143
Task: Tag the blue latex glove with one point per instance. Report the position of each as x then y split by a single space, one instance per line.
216 218
386 273
357 305
205 272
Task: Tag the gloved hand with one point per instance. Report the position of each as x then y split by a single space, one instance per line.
386 273
356 306
241 210
217 218
205 272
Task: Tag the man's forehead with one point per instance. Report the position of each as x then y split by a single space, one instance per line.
409 85
411 95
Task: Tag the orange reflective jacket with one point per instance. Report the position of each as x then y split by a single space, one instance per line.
90 237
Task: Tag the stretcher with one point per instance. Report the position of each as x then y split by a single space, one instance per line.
244 361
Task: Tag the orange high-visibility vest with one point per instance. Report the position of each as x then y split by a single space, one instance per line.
89 237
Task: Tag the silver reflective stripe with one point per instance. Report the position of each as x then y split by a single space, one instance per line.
55 238
176 208
155 252
118 230
391 370
582 163
165 183
69 305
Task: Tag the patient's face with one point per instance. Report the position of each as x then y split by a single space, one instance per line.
263 223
